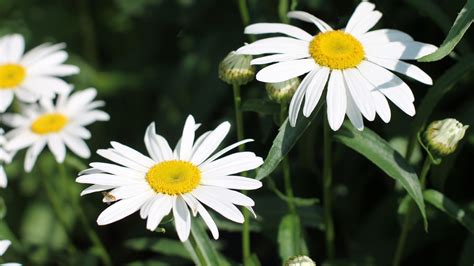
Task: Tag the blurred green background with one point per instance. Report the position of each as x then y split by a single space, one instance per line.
156 60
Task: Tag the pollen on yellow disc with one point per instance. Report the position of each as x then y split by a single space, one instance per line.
11 75
173 177
336 50
49 123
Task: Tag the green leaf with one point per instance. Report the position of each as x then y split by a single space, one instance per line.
449 207
289 236
378 151
284 141
460 26
200 247
261 106
3 208
467 256
162 245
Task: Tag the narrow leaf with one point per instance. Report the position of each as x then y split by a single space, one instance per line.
460 26
200 247
378 151
449 207
261 106
284 141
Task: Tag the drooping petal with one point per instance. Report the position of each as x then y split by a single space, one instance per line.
336 100
298 97
160 208
32 154
410 70
57 147
315 90
304 16
122 209
354 114
360 92
225 208
182 218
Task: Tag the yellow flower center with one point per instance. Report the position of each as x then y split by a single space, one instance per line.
49 123
173 177
336 50
11 75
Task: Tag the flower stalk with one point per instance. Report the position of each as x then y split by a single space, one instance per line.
327 181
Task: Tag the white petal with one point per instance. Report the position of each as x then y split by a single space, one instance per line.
360 92
298 97
95 188
360 13
56 70
354 114
40 85
125 192
115 157
39 52
322 26
182 218
160 208
26 95
145 209
4 244
118 170
78 131
231 164
77 145
107 180
336 100
366 23
122 209
225 150
187 139
400 50
15 120
208 220
410 70
274 58
263 28
6 98
78 100
232 182
285 70
234 197
3 178
390 85
315 90
275 45
57 147
384 36
225 208
32 154
132 154
210 143
381 105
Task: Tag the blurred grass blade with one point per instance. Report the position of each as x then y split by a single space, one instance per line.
200 247
449 207
289 236
378 151
295 200
284 141
460 26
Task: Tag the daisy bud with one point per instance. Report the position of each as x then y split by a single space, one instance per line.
282 92
442 137
236 69
300 261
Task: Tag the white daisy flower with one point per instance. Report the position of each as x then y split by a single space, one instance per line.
192 176
32 75
5 157
4 244
57 125
354 61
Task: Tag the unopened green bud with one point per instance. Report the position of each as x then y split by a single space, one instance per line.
300 261
442 137
236 69
282 92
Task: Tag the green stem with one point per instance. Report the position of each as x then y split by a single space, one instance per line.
58 212
283 10
244 12
201 258
410 147
408 220
93 237
240 136
327 180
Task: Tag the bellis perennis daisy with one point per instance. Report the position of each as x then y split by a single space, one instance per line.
353 62
188 178
56 125
32 75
